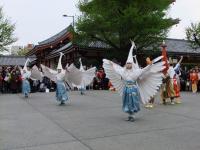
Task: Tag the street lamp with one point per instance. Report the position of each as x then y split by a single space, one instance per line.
71 17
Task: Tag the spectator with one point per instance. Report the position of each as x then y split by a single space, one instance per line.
1 82
183 79
194 80
198 85
13 81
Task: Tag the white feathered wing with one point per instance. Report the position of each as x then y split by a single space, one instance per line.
114 77
87 76
35 73
49 73
150 81
73 75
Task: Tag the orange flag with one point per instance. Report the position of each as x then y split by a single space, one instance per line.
164 54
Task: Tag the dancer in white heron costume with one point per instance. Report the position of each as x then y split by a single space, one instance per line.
28 73
70 75
134 84
87 77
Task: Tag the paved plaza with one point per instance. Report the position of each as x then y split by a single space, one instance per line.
96 122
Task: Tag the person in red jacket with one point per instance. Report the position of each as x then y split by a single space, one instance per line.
194 80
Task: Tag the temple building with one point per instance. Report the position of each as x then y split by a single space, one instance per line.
47 52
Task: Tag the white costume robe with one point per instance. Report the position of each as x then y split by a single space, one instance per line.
25 83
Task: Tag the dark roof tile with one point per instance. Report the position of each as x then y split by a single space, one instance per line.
53 38
182 46
14 60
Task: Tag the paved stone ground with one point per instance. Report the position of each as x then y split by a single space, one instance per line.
95 122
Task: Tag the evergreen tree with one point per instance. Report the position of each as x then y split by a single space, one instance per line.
193 35
6 32
115 22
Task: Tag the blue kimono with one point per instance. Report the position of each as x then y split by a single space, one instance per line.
26 89
131 98
61 92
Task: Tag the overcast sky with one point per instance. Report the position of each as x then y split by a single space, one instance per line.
37 20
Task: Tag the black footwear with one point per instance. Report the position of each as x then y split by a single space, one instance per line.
62 103
164 102
131 119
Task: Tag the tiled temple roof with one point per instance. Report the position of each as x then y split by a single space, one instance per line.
94 44
182 46
53 38
14 60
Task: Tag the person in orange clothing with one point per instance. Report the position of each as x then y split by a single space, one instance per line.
163 89
194 80
173 87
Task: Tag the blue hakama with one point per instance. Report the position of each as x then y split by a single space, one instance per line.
82 89
131 98
26 89
61 92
